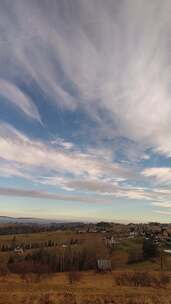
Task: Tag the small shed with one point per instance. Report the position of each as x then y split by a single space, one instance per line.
104 265
18 250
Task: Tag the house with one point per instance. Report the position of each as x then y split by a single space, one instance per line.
80 231
110 241
18 250
64 245
167 251
132 234
92 230
104 265
165 233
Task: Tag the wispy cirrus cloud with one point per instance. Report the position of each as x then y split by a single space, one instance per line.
19 99
99 57
50 158
107 62
64 166
15 192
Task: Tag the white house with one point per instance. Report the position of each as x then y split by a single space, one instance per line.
18 250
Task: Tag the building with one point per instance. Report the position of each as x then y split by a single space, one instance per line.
110 241
18 250
165 233
104 265
133 234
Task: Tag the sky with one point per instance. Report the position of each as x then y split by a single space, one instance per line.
85 107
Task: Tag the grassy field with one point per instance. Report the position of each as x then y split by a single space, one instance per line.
60 237
92 288
119 256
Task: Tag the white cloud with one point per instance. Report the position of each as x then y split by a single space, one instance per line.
12 169
160 175
63 166
163 212
28 154
110 188
162 204
100 56
109 59
15 192
19 99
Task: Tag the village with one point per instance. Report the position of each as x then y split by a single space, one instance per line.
123 255
102 242
112 234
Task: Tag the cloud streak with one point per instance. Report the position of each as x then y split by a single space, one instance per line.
161 175
14 192
107 62
64 166
57 158
18 99
97 56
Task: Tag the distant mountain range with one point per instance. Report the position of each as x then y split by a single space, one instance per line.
27 220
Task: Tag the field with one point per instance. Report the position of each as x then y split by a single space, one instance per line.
119 255
92 288
85 287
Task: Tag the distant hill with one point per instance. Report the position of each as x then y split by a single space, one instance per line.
27 220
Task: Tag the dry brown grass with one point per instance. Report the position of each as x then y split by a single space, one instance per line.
58 236
91 288
142 279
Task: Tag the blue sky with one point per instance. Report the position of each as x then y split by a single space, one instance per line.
85 105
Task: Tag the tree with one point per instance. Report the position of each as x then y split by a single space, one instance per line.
149 249
13 242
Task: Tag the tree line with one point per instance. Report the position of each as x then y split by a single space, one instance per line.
45 261
34 245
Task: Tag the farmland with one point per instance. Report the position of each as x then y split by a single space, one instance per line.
60 267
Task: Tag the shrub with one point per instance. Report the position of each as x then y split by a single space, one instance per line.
24 267
150 249
144 279
74 276
3 270
164 279
135 255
